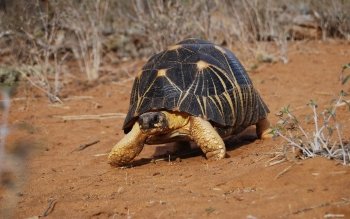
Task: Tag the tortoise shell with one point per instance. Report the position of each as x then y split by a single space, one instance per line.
201 79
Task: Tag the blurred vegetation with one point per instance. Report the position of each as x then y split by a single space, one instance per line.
44 37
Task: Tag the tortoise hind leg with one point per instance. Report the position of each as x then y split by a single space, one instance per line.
128 147
207 138
263 129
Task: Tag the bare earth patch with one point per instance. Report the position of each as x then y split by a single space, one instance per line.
62 181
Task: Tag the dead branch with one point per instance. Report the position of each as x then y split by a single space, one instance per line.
121 82
345 103
83 146
78 98
100 155
5 33
49 208
278 158
52 97
283 172
92 117
344 201
334 216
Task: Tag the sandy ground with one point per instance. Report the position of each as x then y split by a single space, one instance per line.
57 180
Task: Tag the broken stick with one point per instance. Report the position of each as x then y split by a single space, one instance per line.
83 146
93 117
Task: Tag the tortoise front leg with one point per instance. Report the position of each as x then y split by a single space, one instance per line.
128 147
207 138
263 129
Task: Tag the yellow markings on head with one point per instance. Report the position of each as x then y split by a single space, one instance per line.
202 65
161 73
174 47
220 49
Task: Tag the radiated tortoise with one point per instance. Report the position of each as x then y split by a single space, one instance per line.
193 91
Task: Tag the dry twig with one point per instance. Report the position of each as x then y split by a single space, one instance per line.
344 201
93 117
334 216
283 172
278 158
83 146
50 208
78 98
123 81
100 155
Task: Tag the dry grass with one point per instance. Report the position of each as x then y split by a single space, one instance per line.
83 28
88 17
50 34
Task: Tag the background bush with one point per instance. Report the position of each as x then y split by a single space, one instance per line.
42 37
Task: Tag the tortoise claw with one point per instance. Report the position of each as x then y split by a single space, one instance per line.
216 155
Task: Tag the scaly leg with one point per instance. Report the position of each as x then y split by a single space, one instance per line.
263 129
206 137
128 147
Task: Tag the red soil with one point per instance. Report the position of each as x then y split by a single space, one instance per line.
83 185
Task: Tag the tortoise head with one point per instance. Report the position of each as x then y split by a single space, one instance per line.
153 123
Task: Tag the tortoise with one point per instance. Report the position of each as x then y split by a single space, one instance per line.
193 91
